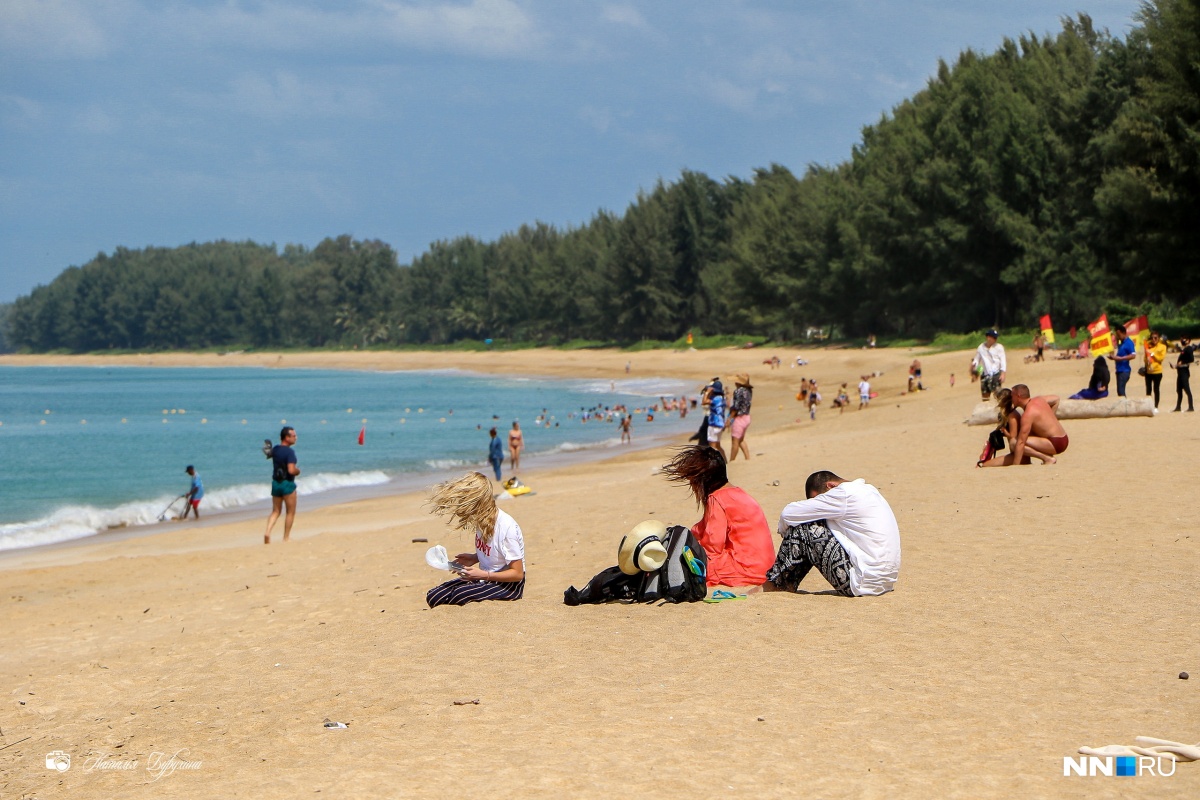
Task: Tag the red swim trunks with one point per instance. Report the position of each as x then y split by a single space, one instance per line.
1060 443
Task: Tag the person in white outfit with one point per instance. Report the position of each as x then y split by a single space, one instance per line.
845 529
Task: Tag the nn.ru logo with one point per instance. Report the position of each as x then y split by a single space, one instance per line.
1119 766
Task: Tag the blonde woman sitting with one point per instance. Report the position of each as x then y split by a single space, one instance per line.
496 570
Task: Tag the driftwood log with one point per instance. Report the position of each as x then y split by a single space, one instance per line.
985 413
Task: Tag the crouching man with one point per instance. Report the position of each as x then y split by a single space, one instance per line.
846 530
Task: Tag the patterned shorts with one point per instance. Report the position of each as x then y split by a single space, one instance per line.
989 384
808 545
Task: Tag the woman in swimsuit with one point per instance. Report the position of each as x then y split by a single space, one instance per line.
516 444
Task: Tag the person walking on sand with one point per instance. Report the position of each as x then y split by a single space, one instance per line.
194 494
283 483
845 529
496 570
1183 367
864 393
495 453
992 364
516 443
715 395
627 428
739 415
1039 431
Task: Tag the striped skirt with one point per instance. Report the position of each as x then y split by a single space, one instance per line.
459 592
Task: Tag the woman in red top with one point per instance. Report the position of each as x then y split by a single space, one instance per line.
734 531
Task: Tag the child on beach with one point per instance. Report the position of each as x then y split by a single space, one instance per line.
496 570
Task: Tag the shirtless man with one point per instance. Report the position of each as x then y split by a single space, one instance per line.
1039 431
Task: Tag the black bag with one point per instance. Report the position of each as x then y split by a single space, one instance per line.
681 579
996 440
1141 371
609 585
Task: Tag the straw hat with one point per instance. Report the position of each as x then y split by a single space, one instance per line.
742 379
642 550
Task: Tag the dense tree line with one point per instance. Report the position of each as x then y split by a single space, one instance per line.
1054 175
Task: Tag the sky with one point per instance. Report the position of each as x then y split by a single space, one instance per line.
135 124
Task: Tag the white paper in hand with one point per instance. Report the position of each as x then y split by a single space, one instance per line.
437 557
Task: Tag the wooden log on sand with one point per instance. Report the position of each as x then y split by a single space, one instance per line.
985 413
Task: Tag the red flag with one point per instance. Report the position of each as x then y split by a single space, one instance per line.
1138 328
1073 331
362 435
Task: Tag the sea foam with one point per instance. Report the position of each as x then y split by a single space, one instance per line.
80 521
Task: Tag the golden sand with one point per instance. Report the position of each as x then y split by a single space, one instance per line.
1038 609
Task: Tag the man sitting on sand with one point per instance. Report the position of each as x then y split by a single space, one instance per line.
846 530
1039 431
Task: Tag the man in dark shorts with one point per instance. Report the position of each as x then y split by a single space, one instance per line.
283 483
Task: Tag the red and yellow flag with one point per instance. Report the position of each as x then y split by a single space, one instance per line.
1101 336
1138 329
1047 329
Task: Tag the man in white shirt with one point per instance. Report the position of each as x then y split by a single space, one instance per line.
991 364
845 529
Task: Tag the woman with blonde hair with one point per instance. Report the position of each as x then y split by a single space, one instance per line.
496 570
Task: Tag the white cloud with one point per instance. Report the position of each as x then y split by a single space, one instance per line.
94 119
19 112
601 119
284 95
55 29
623 15
485 27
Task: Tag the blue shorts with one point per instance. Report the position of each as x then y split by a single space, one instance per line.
282 488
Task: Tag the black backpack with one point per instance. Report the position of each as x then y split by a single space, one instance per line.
681 579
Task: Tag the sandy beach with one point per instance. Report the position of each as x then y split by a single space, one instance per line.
1038 609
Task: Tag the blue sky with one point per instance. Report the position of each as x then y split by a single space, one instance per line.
126 123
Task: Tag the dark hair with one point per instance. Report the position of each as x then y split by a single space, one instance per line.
1119 328
284 431
818 482
492 432
700 467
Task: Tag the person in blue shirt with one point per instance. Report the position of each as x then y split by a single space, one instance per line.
1125 353
495 453
283 483
192 498
716 414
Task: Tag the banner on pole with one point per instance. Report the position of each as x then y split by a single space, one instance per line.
1047 329
1102 342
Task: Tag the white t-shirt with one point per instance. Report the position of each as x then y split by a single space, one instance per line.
992 359
864 389
863 522
507 544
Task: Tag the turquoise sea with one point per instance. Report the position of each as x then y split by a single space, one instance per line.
89 449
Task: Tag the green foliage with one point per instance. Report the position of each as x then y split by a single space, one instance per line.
1050 176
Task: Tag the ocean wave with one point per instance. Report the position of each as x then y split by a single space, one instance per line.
81 521
638 387
575 447
443 464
